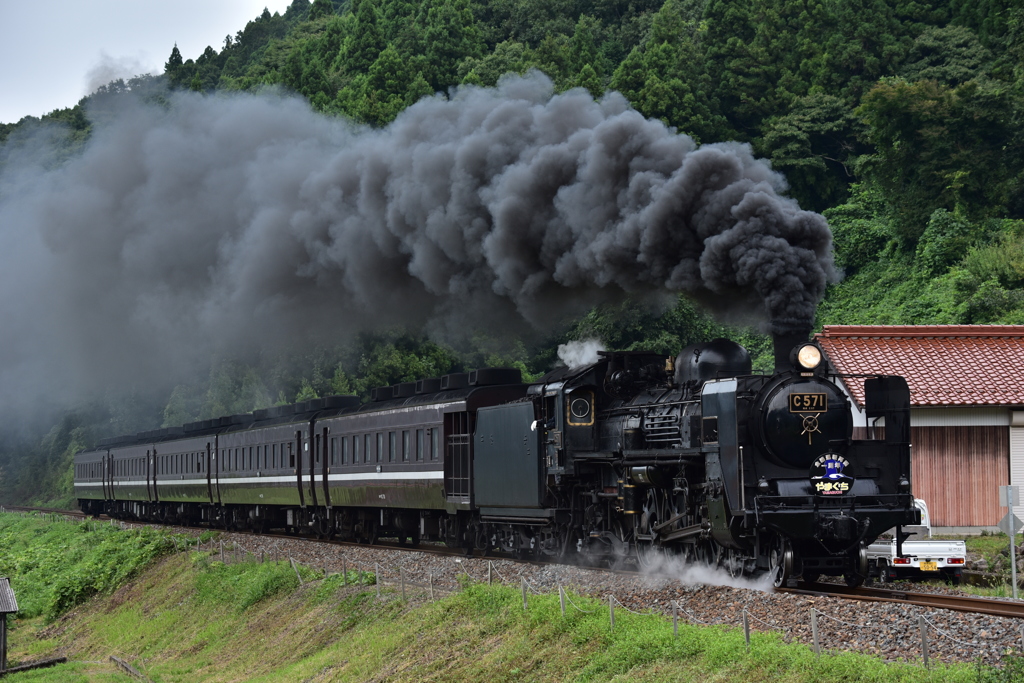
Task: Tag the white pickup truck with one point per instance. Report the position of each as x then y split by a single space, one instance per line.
921 558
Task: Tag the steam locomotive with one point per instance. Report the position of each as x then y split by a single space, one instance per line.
625 459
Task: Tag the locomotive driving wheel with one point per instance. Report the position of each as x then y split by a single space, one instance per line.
654 510
780 561
859 571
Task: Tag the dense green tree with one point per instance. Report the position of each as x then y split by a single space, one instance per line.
588 79
321 9
813 145
664 77
365 40
384 90
173 67
507 57
951 55
938 147
553 57
449 35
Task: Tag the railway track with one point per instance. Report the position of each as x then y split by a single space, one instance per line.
958 603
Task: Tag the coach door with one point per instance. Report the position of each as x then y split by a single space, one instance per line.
297 446
210 454
322 449
110 477
149 469
311 447
458 460
108 489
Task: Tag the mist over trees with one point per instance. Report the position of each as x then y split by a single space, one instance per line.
901 121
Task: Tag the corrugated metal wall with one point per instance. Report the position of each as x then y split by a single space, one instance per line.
1017 460
958 472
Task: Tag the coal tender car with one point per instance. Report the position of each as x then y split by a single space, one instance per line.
630 458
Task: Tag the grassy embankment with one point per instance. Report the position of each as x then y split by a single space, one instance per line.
186 617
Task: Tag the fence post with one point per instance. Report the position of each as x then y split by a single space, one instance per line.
611 611
488 572
675 619
921 622
525 606
746 629
376 577
401 574
344 572
430 584
561 599
222 551
814 631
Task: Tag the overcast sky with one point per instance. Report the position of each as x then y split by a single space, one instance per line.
57 51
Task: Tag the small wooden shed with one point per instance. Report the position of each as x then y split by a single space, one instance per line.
8 605
967 409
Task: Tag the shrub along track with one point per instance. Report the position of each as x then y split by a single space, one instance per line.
875 621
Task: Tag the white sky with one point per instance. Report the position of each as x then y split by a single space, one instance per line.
54 52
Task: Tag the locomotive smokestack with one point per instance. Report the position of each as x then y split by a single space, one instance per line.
784 342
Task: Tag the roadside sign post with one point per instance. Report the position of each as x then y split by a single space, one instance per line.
1010 524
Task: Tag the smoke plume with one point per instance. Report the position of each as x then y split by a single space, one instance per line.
576 354
219 224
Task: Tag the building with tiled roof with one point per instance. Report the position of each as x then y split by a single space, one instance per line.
967 407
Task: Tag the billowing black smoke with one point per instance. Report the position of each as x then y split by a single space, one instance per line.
217 224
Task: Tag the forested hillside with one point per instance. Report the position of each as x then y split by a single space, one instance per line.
901 121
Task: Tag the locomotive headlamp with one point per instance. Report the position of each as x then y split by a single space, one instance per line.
809 356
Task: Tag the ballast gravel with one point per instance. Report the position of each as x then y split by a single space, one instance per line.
697 595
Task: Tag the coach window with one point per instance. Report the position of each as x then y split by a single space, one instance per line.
392 450
355 449
291 456
344 450
405 445
334 451
419 445
380 446
435 437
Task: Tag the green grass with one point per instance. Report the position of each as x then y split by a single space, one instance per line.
189 617
56 565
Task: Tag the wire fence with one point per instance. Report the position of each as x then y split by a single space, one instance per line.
396 578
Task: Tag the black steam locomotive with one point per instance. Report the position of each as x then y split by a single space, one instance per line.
633 456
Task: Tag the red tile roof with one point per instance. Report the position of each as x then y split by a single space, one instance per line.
945 365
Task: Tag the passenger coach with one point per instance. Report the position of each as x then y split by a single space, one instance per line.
399 465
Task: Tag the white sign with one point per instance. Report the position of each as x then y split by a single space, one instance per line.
1009 496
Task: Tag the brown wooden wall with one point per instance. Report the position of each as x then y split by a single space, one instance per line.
957 471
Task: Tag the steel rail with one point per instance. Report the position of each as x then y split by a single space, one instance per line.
958 603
